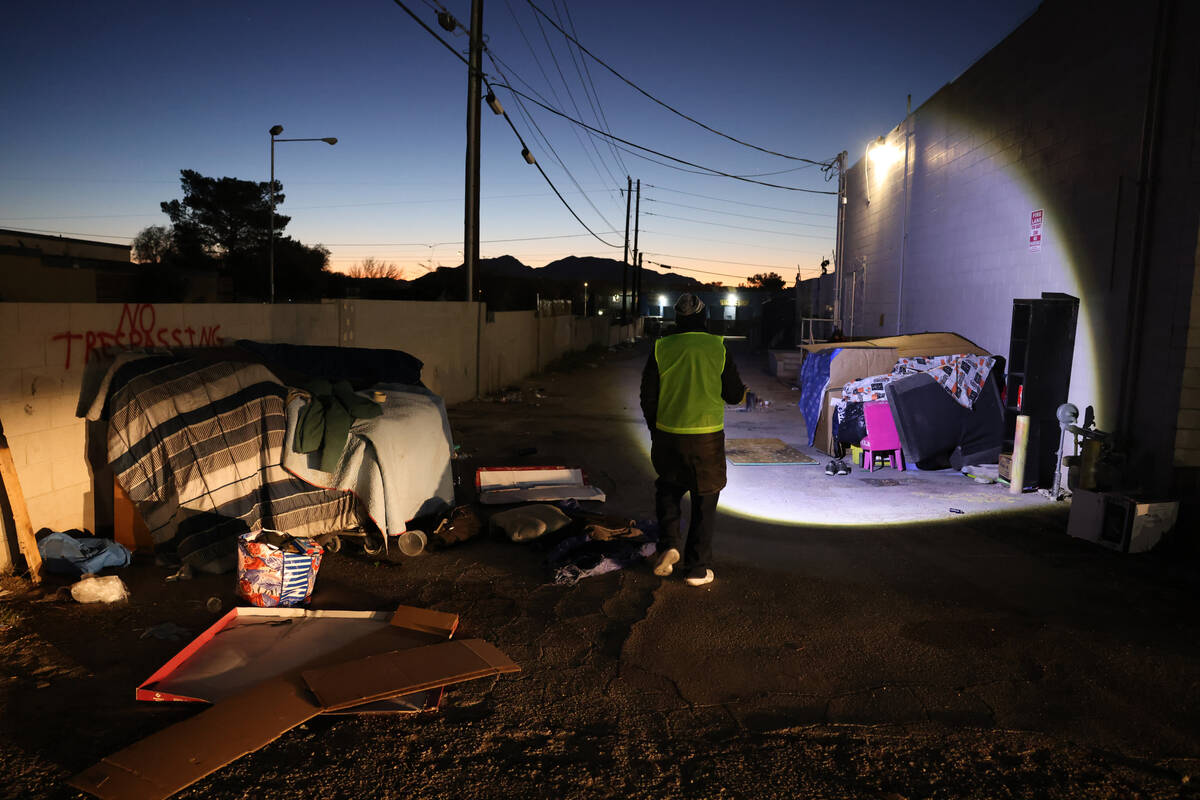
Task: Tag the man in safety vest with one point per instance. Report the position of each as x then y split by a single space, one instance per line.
688 380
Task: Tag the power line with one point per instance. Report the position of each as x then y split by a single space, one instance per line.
732 214
710 170
571 97
674 267
546 177
442 244
735 227
718 261
669 107
738 202
692 238
595 93
554 152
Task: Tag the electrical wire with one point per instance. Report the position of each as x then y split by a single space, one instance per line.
709 170
691 238
546 177
719 261
550 85
732 214
735 227
571 97
550 147
737 202
669 107
597 107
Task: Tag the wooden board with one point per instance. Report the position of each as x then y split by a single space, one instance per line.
11 486
764 451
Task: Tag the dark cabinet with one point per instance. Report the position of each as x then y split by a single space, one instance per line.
1040 346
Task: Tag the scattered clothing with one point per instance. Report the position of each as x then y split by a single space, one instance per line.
961 375
397 464
325 422
68 554
461 524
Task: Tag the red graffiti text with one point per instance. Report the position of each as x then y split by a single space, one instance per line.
138 327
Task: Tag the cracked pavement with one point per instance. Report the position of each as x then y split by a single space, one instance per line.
980 656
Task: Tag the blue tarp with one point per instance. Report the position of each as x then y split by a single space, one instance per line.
814 379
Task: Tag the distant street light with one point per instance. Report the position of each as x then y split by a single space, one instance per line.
275 131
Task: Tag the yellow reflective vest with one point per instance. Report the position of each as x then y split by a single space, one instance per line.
689 392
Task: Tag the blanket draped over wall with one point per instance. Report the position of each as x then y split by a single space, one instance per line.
197 445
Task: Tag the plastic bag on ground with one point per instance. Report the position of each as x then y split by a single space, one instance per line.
100 589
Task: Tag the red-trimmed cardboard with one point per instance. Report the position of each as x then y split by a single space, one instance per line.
176 757
533 484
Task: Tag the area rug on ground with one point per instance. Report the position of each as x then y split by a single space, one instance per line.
764 451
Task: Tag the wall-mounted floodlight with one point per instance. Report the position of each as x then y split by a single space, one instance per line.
662 300
528 156
733 298
494 103
881 155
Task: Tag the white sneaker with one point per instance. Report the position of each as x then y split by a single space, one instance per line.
666 562
698 578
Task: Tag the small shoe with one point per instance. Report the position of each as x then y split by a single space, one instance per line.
699 577
831 468
666 562
843 468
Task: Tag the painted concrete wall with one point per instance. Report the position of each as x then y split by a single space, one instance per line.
44 346
1050 121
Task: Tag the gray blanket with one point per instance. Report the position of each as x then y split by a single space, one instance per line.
398 464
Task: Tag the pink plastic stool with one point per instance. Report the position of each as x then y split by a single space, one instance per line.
881 436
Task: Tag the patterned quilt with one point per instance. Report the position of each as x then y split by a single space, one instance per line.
198 445
961 375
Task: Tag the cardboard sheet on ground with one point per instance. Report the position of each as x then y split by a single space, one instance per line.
764 451
250 645
362 670
527 484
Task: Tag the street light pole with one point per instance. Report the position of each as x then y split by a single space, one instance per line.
275 131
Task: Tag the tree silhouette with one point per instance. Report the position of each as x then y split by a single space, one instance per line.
766 280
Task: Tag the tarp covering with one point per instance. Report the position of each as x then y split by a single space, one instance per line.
398 463
197 446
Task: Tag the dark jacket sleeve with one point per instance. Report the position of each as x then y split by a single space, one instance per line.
649 394
733 391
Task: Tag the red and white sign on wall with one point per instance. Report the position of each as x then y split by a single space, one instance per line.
1035 231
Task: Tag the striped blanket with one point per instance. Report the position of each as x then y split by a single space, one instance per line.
198 445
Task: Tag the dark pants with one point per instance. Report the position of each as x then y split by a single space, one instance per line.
688 464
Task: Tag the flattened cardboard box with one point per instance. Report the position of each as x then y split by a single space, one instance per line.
166 762
250 645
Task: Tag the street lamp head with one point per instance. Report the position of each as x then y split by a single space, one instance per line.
275 130
330 140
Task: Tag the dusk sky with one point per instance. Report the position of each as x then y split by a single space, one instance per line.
106 103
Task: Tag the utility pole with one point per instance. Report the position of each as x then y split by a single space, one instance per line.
637 255
637 292
625 260
474 97
839 258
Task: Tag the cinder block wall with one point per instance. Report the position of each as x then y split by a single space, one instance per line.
43 347
1187 429
1050 120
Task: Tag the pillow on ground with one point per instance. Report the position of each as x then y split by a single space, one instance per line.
529 522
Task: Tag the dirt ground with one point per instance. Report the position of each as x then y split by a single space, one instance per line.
990 657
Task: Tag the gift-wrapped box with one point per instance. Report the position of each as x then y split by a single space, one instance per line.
276 568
